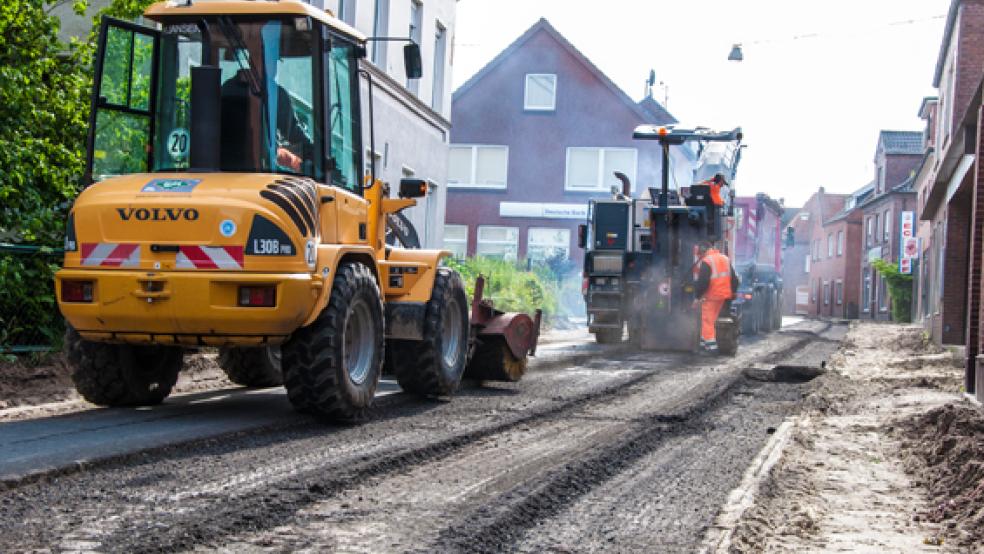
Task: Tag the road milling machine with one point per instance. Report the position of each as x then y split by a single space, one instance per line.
642 258
226 205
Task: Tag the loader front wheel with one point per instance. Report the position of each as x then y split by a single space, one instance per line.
252 367
122 374
433 366
332 366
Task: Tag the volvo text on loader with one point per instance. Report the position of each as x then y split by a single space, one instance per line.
227 206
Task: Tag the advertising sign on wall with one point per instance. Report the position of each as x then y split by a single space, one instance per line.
909 244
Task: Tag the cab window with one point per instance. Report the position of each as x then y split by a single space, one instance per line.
343 91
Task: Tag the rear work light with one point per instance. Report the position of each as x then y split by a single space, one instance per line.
76 291
258 297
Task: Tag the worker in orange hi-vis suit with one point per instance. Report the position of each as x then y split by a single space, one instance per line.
716 284
718 185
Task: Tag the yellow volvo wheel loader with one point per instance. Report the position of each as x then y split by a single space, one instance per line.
227 206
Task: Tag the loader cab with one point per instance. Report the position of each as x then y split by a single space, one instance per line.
265 88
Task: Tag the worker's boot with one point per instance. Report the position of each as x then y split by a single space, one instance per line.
709 346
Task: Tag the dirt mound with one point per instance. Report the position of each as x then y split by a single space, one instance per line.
32 381
944 451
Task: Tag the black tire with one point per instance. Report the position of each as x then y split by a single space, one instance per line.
122 374
750 322
434 366
777 311
252 367
331 367
727 337
608 336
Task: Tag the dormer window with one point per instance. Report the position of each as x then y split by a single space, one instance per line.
541 92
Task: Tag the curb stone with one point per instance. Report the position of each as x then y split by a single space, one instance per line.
718 538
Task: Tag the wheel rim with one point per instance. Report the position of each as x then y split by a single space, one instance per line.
451 334
359 342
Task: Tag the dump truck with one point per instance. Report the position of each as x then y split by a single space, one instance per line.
641 254
757 230
227 205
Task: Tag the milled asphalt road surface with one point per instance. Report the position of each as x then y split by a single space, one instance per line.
625 451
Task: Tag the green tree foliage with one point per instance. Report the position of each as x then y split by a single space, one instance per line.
899 288
509 287
45 89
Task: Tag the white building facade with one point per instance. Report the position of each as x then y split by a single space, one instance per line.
411 117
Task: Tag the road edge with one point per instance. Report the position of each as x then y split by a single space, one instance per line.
718 537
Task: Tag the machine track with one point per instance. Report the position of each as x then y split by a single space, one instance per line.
489 471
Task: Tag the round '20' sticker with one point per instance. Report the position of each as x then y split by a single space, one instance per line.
178 144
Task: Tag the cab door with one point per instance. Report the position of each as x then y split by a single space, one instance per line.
121 119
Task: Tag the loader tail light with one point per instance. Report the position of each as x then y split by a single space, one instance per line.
748 296
76 291
584 286
258 297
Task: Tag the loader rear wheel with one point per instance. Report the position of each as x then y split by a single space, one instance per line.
494 361
122 374
252 367
434 366
332 366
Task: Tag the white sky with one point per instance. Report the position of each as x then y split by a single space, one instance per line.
811 108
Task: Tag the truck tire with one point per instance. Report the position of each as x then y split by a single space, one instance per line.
777 311
332 366
608 336
434 366
122 374
252 367
750 321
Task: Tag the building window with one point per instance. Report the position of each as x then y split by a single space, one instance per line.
544 243
541 92
440 53
879 180
592 169
840 292
887 220
346 11
478 166
830 245
739 217
870 233
826 293
416 34
498 242
380 28
866 291
874 230
840 243
806 268
456 240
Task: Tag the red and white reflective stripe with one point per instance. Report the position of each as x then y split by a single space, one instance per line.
108 254
209 257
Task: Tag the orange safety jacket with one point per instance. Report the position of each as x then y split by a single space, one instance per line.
719 286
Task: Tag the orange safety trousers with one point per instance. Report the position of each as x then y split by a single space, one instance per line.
709 310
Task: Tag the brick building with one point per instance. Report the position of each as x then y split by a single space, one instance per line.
948 184
927 267
799 258
538 132
949 190
897 158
